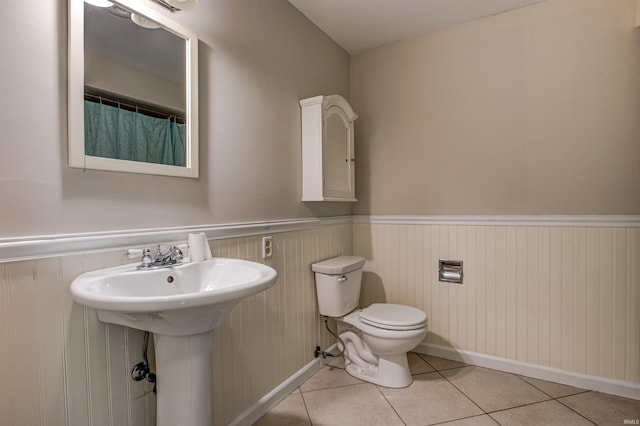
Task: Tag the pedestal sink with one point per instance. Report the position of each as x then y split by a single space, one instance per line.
181 305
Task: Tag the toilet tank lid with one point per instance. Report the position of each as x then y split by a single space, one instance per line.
338 265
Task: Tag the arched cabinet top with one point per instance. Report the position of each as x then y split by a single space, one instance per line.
330 101
328 157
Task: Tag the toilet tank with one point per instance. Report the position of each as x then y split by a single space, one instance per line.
338 282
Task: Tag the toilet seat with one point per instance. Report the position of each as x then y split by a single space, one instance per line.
353 319
391 316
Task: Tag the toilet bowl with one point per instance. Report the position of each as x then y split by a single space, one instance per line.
376 339
388 342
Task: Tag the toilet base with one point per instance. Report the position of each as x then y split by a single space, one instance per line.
392 371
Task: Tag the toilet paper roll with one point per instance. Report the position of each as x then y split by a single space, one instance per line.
451 275
199 247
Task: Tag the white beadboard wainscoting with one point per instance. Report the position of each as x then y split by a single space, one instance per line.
60 366
550 296
558 293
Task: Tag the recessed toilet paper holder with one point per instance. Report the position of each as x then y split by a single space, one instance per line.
450 271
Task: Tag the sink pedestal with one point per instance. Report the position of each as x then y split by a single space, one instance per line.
183 369
181 305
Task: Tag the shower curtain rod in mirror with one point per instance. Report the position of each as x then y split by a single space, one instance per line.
126 104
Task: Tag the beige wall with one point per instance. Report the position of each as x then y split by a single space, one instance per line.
119 78
533 111
575 86
257 58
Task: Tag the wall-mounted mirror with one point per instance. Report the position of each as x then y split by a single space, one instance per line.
133 90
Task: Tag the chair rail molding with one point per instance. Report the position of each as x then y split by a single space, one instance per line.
25 248
599 221
34 247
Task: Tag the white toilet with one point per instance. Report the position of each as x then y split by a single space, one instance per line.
376 338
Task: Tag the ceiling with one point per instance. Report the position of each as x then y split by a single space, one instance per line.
115 36
359 25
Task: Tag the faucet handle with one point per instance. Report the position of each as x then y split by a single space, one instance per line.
177 253
146 258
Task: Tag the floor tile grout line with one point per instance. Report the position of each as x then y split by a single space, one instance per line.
434 369
546 393
574 394
454 386
330 387
550 398
484 413
539 402
306 409
460 390
577 412
520 406
536 387
557 399
334 387
462 364
391 405
464 418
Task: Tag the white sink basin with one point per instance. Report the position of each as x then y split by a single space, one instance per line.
177 301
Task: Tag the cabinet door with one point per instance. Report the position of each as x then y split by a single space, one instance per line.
337 155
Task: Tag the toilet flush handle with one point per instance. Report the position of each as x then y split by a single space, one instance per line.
342 279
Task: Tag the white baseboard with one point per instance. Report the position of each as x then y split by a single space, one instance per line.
583 381
270 400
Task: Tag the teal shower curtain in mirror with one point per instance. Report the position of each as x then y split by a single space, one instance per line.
113 132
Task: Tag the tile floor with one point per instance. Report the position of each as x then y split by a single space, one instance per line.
450 393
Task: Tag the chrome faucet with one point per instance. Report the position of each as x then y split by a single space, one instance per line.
162 260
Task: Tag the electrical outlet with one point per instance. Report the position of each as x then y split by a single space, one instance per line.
267 247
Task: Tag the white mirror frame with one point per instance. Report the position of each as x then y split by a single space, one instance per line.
77 157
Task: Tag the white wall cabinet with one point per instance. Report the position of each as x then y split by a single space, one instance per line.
328 158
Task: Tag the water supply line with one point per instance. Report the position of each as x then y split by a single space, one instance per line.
318 352
353 348
142 371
